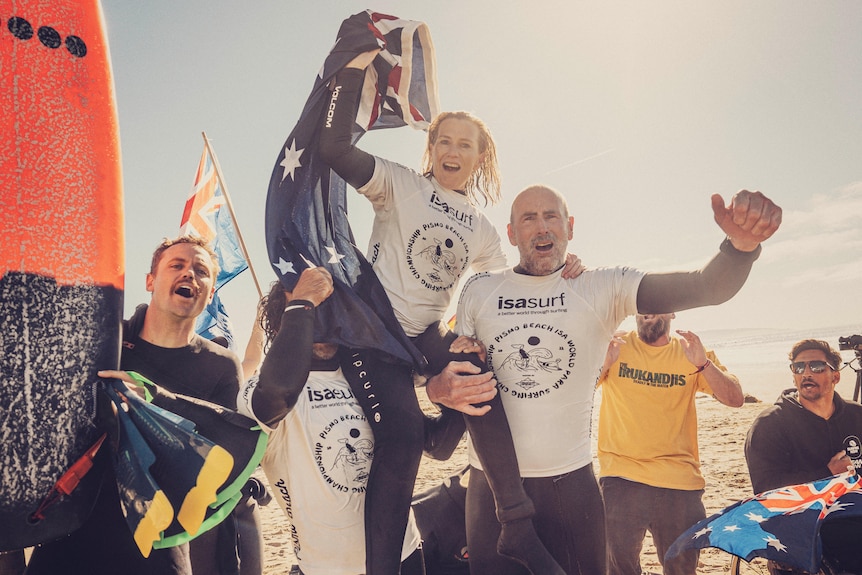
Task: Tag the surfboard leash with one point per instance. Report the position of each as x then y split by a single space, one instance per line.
69 480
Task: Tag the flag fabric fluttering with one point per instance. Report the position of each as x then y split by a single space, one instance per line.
206 215
306 207
782 524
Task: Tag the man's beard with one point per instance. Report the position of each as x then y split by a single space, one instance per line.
654 331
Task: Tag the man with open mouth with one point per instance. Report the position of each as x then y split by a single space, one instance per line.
160 343
546 338
811 433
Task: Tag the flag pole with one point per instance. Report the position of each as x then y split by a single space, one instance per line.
232 214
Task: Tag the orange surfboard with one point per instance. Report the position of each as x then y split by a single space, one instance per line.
61 258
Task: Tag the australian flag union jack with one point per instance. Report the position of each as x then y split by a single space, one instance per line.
306 206
206 215
782 524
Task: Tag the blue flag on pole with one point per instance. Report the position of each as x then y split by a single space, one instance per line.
782 525
306 207
206 215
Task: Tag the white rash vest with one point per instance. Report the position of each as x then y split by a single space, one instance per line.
423 240
317 463
546 338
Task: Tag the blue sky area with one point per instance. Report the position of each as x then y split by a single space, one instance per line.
636 111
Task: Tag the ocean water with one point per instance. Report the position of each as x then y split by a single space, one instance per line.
758 357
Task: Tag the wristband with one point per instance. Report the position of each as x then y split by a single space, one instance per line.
701 367
298 303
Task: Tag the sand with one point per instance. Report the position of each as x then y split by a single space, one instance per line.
721 435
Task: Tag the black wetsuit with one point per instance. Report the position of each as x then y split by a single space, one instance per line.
104 544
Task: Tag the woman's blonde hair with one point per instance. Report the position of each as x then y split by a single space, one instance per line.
484 182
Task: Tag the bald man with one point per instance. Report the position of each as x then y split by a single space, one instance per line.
546 338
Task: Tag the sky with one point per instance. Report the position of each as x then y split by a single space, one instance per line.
636 111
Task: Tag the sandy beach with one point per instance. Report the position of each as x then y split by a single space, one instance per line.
721 434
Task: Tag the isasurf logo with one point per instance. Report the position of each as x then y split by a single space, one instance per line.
549 304
453 212
327 394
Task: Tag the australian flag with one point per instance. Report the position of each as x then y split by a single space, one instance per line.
782 524
306 207
207 215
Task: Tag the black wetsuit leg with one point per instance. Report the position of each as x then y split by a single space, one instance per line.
386 394
414 564
492 439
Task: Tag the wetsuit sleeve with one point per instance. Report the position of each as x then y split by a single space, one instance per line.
354 165
228 385
285 369
715 283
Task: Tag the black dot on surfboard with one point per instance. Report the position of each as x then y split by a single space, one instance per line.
49 37
533 340
354 433
76 46
20 28
449 243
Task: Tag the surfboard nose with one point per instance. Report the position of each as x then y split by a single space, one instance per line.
60 174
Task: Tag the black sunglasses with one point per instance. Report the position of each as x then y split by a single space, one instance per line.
816 366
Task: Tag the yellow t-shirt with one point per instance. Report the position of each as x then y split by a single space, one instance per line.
647 420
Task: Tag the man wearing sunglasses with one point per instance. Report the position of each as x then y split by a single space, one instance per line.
811 433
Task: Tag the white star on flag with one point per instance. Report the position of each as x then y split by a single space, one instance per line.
335 257
755 517
732 528
838 506
291 160
773 542
284 267
702 532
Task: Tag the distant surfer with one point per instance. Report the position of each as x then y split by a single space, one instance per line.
159 342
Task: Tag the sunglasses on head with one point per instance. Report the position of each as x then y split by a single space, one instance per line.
816 366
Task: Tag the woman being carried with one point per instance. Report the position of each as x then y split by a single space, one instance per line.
427 232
